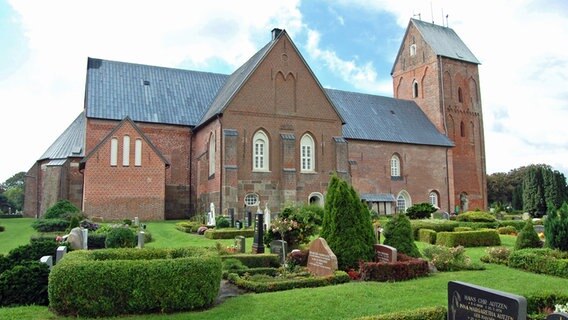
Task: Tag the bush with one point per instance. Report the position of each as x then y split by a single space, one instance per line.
545 261
270 286
256 260
232 264
303 221
59 209
461 229
497 255
32 251
398 234
298 258
436 225
228 233
556 229
127 281
517 224
50 225
405 268
449 259
433 313
88 224
73 223
427 235
2 228
478 225
528 238
510 230
120 238
222 222
420 210
96 241
24 284
478 238
476 216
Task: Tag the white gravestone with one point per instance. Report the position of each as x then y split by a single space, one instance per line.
211 219
141 239
267 216
85 238
61 251
136 221
47 260
75 239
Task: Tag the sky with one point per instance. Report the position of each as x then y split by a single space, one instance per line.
349 44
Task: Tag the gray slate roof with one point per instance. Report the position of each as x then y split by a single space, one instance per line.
371 117
116 90
444 41
379 197
70 143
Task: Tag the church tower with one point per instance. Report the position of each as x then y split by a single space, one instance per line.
435 69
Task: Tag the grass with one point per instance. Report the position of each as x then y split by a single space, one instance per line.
17 233
344 301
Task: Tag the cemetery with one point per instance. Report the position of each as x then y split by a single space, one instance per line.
473 266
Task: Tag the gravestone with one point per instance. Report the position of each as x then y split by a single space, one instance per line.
384 253
47 260
557 316
258 242
468 301
61 251
267 218
85 233
238 224
140 240
445 216
232 217
75 239
248 219
279 247
136 221
321 260
538 228
526 216
240 243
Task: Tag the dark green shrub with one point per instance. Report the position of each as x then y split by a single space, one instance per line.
268 286
420 210
96 241
303 221
398 234
228 233
232 264
24 284
5 263
477 238
120 238
545 261
433 313
436 225
127 222
59 209
350 232
267 260
556 229
2 228
517 224
449 259
73 223
33 251
50 225
528 238
10 216
222 222
478 225
476 216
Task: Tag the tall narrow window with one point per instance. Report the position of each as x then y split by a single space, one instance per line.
415 89
460 95
307 153
413 49
462 129
126 151
113 151
138 153
395 166
433 196
403 201
260 152
212 154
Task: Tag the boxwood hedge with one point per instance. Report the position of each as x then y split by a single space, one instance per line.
476 238
228 233
127 281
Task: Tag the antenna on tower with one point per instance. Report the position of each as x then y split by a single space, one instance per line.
447 23
417 15
431 12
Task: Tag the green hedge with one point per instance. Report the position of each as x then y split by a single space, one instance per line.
433 313
478 225
437 225
228 233
517 224
8 216
478 238
2 228
427 235
311 282
188 226
127 281
251 271
476 216
50 225
405 268
267 260
545 261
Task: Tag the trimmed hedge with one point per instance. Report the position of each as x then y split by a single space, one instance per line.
311 282
507 230
405 268
268 260
127 281
24 284
475 216
427 235
437 225
33 251
433 313
228 233
50 225
188 226
14 215
545 261
517 224
462 229
478 225
477 238
251 271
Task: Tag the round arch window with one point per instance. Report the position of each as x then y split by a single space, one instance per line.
316 198
251 199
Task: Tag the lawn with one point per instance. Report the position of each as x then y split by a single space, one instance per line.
334 302
18 231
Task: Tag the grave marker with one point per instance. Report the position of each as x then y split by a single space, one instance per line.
258 241
557 316
240 244
467 301
321 260
232 217
140 240
47 260
280 247
61 251
384 253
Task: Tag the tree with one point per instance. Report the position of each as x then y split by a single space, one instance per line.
528 238
533 192
556 229
16 180
347 225
14 190
420 210
398 234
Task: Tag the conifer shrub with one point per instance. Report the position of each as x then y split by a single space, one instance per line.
398 234
420 210
120 238
528 238
60 209
556 229
24 284
347 225
222 222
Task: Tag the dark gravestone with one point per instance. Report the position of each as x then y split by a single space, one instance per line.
384 253
467 301
557 316
257 245
321 260
232 217
248 219
240 244
279 247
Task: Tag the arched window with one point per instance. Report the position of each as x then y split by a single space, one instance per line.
472 132
113 151
402 201
212 154
138 152
395 166
413 49
460 95
415 89
307 154
433 197
126 151
316 198
260 151
462 129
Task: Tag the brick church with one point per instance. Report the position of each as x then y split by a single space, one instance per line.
163 143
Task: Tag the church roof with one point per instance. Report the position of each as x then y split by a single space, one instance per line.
377 118
70 143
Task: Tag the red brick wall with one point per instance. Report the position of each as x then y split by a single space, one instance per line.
119 192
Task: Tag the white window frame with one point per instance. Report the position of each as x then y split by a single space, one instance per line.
413 49
138 153
318 195
395 165
212 153
307 153
113 152
433 198
260 152
126 151
250 196
403 201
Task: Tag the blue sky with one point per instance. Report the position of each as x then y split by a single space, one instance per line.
349 44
